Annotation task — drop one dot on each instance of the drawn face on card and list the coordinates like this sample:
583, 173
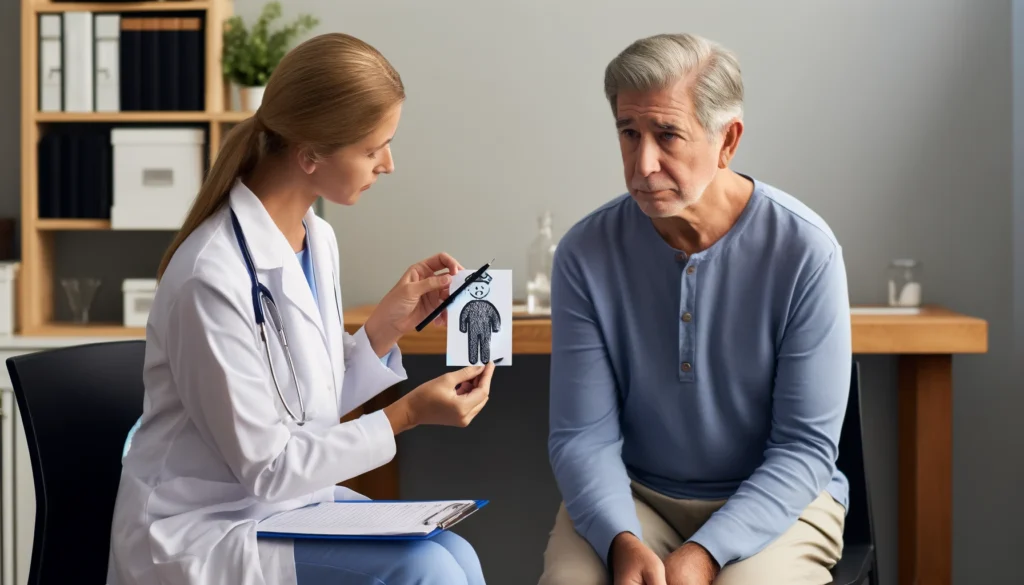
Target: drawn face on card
480, 319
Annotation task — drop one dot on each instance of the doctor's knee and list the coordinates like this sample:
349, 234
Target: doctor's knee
429, 563
464, 554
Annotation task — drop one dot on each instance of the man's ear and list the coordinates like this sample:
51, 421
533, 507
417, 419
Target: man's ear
733, 131
307, 161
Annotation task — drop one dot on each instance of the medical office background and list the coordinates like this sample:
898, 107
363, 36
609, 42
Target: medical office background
902, 124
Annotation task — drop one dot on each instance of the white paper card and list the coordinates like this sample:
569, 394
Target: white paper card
480, 319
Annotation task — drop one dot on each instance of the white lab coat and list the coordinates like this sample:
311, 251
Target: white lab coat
216, 452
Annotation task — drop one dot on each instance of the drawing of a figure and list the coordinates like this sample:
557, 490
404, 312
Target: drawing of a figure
479, 318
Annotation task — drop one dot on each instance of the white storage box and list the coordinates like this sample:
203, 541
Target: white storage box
138, 300
8, 297
157, 174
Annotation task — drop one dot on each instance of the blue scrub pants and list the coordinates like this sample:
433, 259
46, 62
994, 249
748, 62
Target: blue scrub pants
445, 559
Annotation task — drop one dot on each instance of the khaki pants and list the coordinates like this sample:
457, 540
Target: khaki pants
802, 555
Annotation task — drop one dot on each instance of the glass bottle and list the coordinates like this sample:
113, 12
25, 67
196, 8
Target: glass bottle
538, 267
904, 283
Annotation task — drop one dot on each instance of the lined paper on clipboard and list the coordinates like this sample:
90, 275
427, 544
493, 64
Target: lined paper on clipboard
369, 519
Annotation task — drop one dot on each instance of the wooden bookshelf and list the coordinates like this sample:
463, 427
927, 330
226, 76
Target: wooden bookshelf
68, 225
36, 294
178, 5
153, 117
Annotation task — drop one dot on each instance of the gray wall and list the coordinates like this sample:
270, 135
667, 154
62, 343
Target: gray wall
1018, 178
891, 120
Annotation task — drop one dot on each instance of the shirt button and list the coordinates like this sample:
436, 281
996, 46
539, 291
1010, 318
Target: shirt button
691, 269
687, 317
686, 367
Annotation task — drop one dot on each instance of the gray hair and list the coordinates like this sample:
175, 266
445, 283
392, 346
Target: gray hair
658, 61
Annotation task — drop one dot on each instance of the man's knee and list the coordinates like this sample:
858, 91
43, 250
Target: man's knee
428, 563
573, 571
569, 559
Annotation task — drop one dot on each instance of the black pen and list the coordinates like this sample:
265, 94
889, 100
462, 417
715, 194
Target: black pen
451, 297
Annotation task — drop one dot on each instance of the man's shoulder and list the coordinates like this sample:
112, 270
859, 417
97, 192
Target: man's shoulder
596, 226
803, 226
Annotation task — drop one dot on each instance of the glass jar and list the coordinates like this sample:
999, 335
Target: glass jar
904, 283
538, 267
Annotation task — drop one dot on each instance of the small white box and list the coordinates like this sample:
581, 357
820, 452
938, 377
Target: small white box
157, 175
9, 297
138, 300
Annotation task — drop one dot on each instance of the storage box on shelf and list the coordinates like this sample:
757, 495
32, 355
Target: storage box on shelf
8, 297
138, 300
157, 173
117, 35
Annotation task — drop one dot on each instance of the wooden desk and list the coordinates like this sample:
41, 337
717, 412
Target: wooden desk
924, 343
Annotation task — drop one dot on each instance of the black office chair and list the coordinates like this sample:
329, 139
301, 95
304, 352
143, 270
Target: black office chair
77, 405
859, 561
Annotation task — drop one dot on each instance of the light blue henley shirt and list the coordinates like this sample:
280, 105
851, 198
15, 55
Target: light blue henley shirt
719, 375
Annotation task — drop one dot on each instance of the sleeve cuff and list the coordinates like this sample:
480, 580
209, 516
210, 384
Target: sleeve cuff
610, 521
393, 371
722, 537
380, 434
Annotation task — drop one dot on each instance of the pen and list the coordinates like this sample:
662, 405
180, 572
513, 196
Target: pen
451, 297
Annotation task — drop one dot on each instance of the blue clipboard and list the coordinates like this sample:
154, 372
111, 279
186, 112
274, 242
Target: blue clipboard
443, 524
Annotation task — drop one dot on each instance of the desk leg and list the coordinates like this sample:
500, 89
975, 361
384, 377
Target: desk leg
926, 469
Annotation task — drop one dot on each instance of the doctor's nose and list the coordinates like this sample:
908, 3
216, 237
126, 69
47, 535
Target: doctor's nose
387, 165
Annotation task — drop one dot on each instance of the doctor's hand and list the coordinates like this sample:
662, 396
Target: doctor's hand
453, 399
418, 292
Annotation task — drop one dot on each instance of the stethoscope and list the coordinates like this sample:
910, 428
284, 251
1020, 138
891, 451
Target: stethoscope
263, 300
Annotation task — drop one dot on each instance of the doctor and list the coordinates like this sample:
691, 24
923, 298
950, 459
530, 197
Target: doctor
228, 436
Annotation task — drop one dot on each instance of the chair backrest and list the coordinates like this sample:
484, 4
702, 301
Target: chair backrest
77, 405
859, 526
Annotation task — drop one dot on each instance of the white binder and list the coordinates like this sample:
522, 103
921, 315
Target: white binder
78, 58
51, 69
106, 75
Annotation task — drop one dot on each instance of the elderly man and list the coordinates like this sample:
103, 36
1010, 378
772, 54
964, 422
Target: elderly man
701, 352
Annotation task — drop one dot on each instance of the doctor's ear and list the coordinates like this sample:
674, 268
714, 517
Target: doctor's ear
307, 161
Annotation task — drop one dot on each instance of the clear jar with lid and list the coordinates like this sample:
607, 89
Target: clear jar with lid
904, 276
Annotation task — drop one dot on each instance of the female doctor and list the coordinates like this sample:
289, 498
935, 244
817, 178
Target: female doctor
248, 368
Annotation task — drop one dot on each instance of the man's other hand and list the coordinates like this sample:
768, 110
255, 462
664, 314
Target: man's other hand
635, 564
690, 564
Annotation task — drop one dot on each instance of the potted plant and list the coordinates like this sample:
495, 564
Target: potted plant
250, 55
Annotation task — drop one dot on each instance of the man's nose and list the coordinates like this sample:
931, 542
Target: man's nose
648, 159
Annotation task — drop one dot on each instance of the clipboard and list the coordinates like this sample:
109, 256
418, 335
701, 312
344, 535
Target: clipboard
441, 520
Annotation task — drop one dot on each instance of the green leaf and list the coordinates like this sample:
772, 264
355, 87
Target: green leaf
251, 54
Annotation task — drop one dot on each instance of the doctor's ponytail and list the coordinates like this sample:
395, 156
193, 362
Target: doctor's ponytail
237, 155
326, 93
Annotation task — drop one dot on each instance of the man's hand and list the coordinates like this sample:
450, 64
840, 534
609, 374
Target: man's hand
635, 564
690, 564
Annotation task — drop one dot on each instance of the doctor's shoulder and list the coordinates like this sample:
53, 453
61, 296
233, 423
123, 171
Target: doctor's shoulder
205, 263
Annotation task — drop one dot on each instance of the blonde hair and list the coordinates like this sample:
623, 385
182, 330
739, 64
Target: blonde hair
328, 92
658, 61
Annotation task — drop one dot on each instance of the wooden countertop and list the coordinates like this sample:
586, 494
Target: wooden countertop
935, 330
